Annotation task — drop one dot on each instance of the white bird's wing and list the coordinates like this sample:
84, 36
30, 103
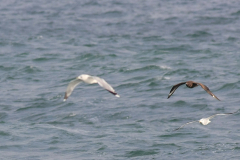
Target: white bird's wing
105, 85
184, 125
71, 87
221, 114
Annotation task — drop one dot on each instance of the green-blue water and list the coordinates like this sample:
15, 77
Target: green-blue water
142, 48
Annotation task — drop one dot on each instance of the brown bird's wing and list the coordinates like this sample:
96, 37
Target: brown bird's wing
207, 90
174, 88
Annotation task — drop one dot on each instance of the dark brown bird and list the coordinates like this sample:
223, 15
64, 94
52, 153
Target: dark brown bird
191, 84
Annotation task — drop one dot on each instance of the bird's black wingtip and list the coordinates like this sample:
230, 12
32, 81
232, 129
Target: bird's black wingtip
175, 129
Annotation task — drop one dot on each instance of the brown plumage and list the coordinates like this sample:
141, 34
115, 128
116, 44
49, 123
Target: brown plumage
191, 84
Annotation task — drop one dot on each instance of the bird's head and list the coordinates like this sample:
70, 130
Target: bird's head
189, 84
83, 77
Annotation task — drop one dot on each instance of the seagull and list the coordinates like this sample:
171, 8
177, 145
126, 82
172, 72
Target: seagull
90, 80
206, 121
191, 84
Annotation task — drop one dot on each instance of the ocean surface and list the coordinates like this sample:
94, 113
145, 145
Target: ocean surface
142, 48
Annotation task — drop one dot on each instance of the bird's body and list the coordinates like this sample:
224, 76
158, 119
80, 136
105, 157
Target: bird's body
204, 121
191, 84
90, 80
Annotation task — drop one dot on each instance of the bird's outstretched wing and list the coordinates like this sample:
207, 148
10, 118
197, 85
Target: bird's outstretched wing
71, 87
174, 88
105, 85
221, 114
208, 90
185, 125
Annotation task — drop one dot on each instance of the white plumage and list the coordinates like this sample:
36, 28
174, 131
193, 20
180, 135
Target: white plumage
90, 80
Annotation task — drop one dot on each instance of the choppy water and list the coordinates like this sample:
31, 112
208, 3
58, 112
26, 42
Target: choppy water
142, 48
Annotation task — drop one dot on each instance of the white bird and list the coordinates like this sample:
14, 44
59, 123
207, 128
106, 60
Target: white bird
90, 80
206, 121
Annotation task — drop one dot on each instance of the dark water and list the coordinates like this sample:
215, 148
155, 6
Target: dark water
142, 48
